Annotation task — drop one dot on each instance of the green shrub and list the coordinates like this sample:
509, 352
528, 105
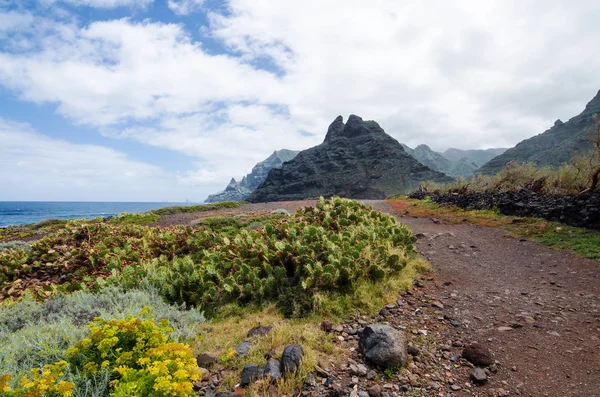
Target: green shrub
12, 245
33, 334
195, 208
145, 218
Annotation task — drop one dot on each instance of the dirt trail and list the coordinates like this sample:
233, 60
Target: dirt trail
537, 309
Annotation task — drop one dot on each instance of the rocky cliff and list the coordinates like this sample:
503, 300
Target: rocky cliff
239, 191
553, 147
357, 160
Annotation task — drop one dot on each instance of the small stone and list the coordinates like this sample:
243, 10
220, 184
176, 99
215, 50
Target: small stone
374, 391
310, 381
504, 329
339, 329
250, 373
260, 330
477, 354
363, 394
455, 387
205, 359
326, 325
478, 376
243, 348
412, 350
371, 375
205, 373
437, 304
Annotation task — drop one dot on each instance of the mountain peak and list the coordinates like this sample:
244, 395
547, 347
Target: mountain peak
594, 104
354, 127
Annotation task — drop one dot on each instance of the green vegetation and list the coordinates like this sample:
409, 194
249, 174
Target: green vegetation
35, 229
34, 334
583, 242
330, 261
580, 174
15, 244
144, 218
196, 208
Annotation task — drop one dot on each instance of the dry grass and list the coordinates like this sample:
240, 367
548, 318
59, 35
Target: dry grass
220, 336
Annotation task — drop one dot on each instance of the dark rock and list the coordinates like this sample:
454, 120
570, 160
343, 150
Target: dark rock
243, 348
291, 358
259, 330
553, 147
205, 360
326, 325
477, 354
374, 390
383, 345
272, 369
478, 376
250, 373
356, 160
240, 191
412, 350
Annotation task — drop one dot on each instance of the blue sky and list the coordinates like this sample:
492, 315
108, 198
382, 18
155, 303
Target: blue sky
151, 100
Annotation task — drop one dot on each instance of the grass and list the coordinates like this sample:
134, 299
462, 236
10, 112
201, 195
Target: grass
221, 335
25, 231
196, 208
141, 219
583, 242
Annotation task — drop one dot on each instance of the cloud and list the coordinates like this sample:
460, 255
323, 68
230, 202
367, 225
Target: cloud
185, 7
35, 166
463, 73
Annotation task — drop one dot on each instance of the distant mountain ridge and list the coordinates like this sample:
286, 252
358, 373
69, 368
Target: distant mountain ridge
239, 191
553, 147
457, 163
357, 159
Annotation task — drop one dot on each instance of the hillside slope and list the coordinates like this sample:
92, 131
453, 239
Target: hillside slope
357, 159
553, 147
239, 191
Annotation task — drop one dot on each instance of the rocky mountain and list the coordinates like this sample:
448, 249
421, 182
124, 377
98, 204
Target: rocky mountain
239, 191
438, 162
477, 156
357, 160
553, 147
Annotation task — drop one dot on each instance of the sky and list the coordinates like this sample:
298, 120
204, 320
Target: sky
166, 100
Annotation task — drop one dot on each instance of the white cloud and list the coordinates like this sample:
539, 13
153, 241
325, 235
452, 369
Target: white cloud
463, 73
185, 7
34, 166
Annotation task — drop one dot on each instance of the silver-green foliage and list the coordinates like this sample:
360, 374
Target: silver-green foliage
33, 333
10, 245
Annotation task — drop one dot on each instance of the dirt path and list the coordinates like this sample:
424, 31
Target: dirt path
536, 309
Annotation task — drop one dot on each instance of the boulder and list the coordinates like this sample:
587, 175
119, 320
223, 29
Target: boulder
477, 354
250, 373
383, 345
259, 330
272, 369
291, 358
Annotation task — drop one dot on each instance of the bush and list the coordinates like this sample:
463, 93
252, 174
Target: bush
195, 208
135, 351
145, 218
33, 334
13, 245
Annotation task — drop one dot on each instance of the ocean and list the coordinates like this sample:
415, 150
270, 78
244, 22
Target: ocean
25, 212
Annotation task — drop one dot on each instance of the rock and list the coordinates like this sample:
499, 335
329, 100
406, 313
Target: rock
205, 360
205, 373
291, 358
455, 387
240, 191
412, 350
477, 354
504, 329
437, 304
310, 381
478, 376
357, 160
250, 373
259, 330
326, 325
374, 390
358, 369
243, 348
383, 345
272, 369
